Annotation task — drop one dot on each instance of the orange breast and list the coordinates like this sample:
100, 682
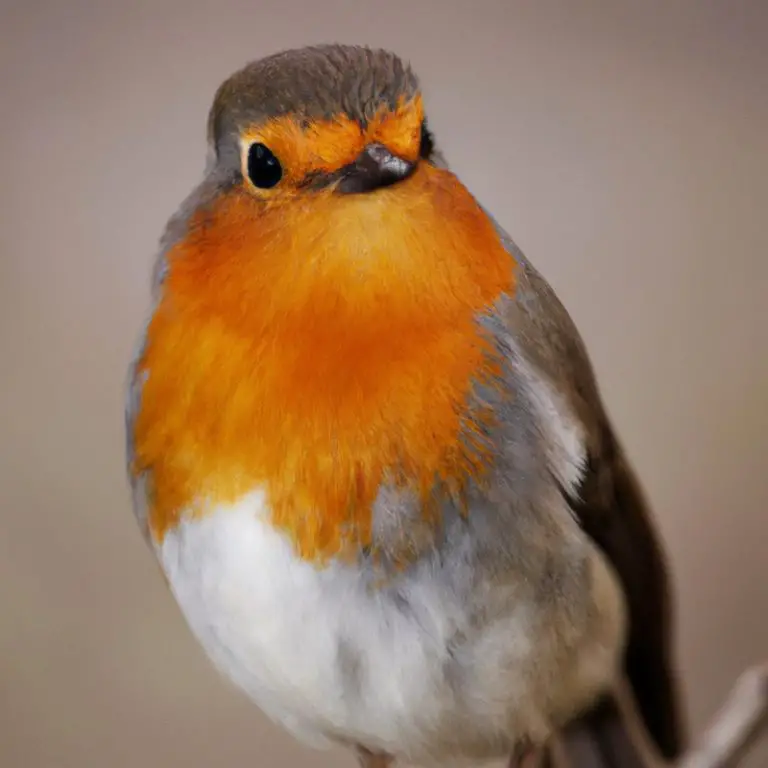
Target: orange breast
317, 348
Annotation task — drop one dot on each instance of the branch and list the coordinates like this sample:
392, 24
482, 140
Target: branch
737, 726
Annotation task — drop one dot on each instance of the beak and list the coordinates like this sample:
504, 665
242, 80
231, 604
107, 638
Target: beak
376, 167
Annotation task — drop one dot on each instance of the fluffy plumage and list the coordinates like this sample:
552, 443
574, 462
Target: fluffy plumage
368, 448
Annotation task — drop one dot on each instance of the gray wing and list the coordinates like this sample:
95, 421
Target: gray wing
607, 501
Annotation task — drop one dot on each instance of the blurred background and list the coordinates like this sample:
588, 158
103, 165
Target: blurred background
623, 145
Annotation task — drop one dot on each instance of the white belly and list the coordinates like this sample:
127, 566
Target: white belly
327, 657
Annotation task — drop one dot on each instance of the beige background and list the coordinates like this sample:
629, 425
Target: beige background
625, 147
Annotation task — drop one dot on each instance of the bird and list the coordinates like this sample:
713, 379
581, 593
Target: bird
366, 444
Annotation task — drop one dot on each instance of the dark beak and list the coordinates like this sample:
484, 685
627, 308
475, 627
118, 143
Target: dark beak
376, 167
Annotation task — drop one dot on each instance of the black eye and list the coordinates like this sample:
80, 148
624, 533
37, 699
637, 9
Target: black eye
427, 141
264, 169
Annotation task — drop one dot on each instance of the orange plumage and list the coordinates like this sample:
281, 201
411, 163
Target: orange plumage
316, 347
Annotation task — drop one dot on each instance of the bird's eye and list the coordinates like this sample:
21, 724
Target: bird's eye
264, 168
427, 141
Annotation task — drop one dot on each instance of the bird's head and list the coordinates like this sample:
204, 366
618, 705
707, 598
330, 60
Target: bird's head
317, 321
345, 119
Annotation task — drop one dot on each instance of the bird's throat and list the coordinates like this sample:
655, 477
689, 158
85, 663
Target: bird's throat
317, 351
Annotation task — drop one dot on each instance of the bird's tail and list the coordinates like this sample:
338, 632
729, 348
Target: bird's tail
603, 738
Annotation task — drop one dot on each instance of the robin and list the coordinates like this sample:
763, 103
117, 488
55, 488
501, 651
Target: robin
367, 446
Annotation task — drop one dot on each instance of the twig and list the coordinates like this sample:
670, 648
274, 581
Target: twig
737, 726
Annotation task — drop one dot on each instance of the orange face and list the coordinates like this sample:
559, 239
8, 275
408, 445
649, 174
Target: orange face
315, 345
330, 145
